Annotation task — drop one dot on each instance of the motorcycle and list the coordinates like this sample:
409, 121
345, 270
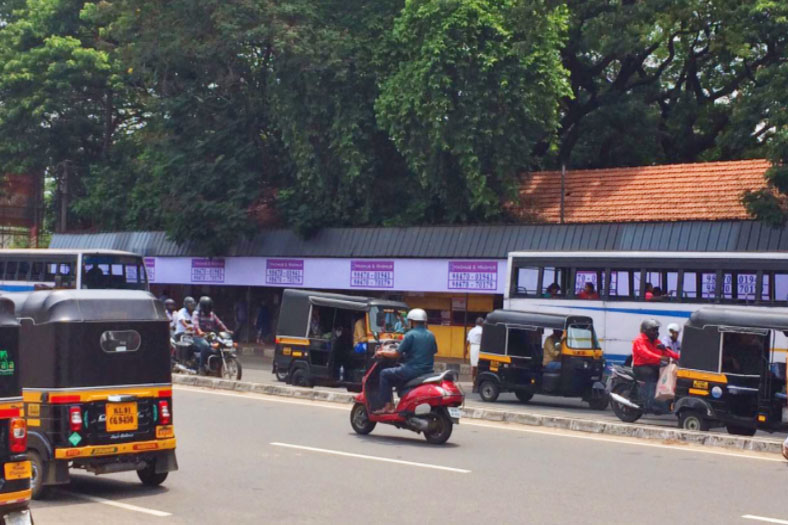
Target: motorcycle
625, 392
428, 404
222, 362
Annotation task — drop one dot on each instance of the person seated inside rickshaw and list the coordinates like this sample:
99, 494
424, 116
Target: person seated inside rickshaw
551, 357
315, 332
742, 354
417, 353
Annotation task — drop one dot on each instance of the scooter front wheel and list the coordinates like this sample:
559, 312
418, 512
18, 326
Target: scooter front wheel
440, 429
359, 420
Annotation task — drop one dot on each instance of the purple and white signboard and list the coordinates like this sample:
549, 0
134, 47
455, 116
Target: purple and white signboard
473, 275
372, 274
150, 268
207, 270
284, 272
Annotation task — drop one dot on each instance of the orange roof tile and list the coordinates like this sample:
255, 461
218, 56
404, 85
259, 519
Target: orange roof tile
680, 192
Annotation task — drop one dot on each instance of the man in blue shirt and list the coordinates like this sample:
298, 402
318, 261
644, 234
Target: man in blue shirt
417, 350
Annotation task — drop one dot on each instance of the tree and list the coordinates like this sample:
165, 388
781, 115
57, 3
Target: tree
473, 85
669, 83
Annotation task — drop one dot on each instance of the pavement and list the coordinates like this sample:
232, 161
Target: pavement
257, 369
247, 458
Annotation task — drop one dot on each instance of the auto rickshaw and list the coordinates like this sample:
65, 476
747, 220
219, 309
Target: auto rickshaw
511, 357
728, 375
16, 470
329, 339
95, 372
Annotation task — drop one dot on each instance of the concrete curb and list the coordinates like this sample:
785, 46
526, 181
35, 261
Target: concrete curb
707, 439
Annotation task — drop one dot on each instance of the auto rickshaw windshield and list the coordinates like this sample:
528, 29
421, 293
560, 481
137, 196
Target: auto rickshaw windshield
388, 320
581, 337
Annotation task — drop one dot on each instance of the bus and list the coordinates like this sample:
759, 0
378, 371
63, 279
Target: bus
628, 287
27, 270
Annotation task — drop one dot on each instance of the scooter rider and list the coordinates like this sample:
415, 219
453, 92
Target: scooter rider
172, 315
204, 320
184, 320
417, 350
647, 356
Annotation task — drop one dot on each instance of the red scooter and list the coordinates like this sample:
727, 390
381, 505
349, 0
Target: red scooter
428, 404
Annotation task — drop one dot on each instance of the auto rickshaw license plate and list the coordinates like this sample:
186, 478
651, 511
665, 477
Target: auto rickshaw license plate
121, 417
19, 470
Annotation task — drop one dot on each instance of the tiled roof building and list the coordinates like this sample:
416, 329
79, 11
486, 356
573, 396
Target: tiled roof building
681, 192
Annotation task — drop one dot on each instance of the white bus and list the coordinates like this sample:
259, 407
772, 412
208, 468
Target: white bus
26, 270
629, 287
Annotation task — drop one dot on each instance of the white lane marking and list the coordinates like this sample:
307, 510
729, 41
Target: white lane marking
514, 427
623, 441
767, 520
373, 458
118, 504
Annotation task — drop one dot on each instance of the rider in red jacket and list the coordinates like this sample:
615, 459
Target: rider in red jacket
648, 351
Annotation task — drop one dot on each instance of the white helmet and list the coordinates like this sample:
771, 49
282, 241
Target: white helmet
418, 315
673, 327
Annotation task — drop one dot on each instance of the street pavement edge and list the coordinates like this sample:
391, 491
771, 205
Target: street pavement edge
675, 435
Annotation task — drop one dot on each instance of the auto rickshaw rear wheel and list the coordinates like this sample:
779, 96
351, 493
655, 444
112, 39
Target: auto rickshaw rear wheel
440, 429
281, 375
299, 378
38, 473
693, 420
523, 396
489, 390
359, 420
149, 477
737, 430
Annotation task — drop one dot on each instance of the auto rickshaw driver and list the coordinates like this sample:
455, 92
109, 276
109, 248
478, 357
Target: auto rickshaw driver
417, 351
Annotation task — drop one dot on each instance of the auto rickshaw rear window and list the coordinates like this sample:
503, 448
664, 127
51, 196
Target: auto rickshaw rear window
115, 341
581, 337
524, 343
744, 353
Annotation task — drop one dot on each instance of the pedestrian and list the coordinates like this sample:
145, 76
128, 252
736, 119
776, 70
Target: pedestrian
240, 317
263, 323
672, 341
474, 341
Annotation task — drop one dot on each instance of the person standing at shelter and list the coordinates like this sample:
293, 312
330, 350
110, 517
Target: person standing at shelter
474, 341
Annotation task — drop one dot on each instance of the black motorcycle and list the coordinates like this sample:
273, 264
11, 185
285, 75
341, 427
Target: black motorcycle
626, 396
222, 362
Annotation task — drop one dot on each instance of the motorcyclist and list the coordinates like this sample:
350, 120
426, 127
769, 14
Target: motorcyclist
172, 315
204, 320
417, 352
648, 354
184, 321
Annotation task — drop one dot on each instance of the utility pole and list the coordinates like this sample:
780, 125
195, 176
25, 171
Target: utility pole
563, 190
63, 225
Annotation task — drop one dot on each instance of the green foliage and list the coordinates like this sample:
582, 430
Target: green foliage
473, 86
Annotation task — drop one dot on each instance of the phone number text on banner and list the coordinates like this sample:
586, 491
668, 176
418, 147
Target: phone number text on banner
470, 275
372, 274
207, 270
284, 271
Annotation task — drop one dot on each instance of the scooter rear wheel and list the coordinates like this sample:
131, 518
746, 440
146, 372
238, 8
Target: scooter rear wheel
440, 429
359, 420
623, 412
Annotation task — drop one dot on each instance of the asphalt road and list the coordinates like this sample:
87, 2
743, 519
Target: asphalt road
256, 459
258, 370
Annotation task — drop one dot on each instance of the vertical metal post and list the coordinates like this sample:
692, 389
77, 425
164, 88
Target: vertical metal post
563, 190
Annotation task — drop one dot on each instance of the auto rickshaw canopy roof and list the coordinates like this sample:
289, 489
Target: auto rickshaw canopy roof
773, 319
53, 306
346, 302
537, 319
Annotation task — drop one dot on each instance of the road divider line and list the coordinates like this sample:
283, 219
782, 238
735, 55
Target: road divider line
767, 520
264, 397
118, 504
372, 458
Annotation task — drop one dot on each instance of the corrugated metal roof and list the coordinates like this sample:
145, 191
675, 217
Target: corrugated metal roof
471, 242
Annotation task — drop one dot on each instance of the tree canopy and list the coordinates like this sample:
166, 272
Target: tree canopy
190, 116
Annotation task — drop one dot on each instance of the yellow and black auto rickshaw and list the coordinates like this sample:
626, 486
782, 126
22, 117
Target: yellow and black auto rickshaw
95, 372
728, 375
329, 339
16, 471
511, 357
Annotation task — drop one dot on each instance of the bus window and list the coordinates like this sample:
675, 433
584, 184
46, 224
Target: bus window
24, 271
10, 270
554, 282
745, 286
527, 281
37, 271
672, 285
708, 285
113, 272
765, 295
621, 284
585, 277
780, 287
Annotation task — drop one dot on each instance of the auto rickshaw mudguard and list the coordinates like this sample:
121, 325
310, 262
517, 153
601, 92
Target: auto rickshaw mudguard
56, 471
694, 403
490, 376
36, 441
166, 462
